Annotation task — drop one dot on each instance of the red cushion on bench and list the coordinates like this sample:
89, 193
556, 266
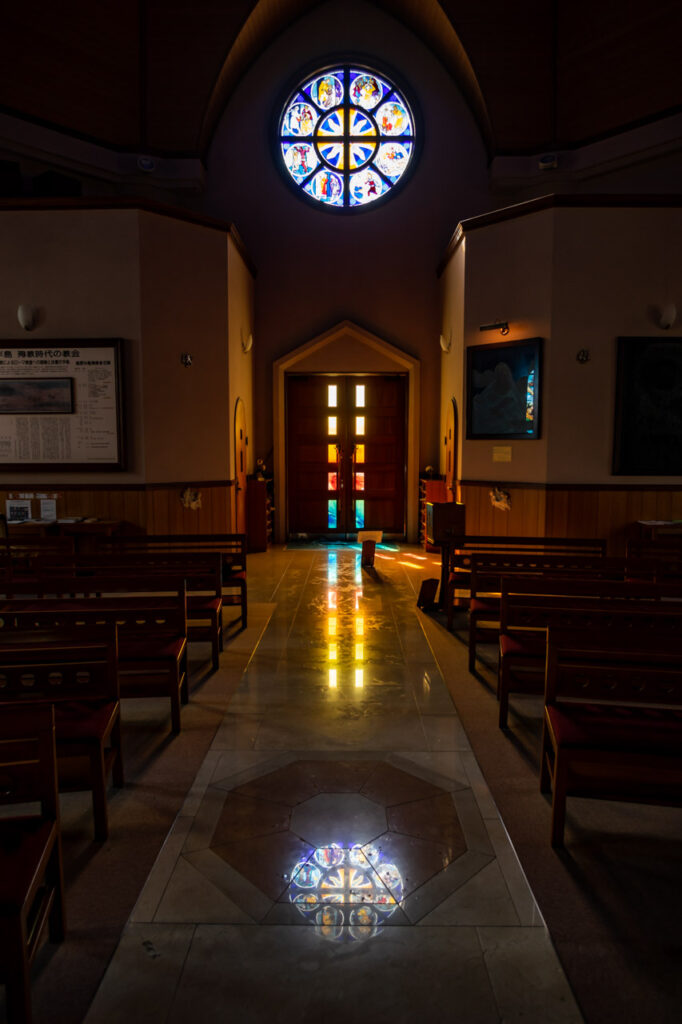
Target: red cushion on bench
530, 645
199, 604
76, 720
478, 604
149, 649
624, 729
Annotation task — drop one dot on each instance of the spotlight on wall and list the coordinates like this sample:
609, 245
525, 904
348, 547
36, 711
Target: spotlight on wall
27, 317
186, 359
667, 316
445, 342
247, 343
499, 325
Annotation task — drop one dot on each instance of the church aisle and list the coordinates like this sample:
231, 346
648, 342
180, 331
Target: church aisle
339, 855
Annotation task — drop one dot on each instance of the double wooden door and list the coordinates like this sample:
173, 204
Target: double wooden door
345, 454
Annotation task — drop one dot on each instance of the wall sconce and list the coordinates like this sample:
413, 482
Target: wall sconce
27, 317
186, 359
499, 325
667, 316
247, 343
445, 343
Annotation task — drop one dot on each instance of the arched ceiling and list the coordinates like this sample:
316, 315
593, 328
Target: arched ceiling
154, 76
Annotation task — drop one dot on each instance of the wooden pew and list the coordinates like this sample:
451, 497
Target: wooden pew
78, 674
200, 571
486, 572
613, 719
31, 879
530, 607
465, 548
152, 631
231, 546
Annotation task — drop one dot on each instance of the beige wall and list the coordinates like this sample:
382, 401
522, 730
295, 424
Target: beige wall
81, 269
183, 288
579, 278
612, 269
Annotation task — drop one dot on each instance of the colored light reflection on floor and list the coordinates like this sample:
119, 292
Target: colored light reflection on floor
346, 891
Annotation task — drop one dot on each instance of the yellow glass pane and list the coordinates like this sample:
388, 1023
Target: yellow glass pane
359, 453
331, 626
333, 652
359, 627
359, 425
331, 427
360, 396
359, 652
331, 452
331, 396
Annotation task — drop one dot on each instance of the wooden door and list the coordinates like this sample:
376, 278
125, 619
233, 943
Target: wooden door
451, 444
240, 443
345, 454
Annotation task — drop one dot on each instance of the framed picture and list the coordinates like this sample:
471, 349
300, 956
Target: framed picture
61, 405
503, 390
647, 437
36, 395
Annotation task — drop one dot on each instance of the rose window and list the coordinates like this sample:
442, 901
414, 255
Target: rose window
347, 137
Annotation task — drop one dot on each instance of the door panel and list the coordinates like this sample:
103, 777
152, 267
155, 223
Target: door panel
240, 442
346, 454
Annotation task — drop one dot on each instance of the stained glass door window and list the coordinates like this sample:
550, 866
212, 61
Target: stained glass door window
347, 137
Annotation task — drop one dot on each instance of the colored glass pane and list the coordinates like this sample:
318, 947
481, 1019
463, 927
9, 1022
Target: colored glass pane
359, 425
332, 513
359, 481
332, 481
359, 396
331, 453
359, 678
332, 678
342, 114
359, 652
359, 513
331, 425
359, 453
332, 392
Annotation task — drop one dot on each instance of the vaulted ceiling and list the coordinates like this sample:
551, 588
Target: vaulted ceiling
154, 75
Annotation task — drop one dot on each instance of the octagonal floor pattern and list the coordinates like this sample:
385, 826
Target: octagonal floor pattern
338, 832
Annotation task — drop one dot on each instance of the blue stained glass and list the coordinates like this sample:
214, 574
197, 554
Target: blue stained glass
332, 513
331, 137
359, 513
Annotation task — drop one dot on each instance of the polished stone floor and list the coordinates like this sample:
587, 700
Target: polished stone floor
339, 856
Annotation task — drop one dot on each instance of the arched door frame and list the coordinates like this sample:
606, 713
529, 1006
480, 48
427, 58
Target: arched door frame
347, 348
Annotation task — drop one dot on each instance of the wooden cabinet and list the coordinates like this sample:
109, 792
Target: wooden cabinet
259, 510
431, 489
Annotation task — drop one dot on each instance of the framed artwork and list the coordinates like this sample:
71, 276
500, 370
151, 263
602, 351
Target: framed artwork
61, 405
647, 437
35, 395
503, 390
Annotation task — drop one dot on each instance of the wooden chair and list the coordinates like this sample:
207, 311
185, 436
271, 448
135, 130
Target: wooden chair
31, 877
78, 675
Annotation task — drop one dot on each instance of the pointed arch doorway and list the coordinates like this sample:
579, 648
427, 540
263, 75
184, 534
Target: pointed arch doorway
347, 356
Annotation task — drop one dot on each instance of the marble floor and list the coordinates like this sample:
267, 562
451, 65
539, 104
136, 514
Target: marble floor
339, 856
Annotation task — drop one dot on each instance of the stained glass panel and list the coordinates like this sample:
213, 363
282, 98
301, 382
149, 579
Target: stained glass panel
331, 453
332, 513
359, 481
332, 395
331, 481
343, 113
359, 453
331, 427
359, 425
359, 513
359, 396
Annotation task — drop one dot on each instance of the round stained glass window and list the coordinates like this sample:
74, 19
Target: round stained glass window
347, 137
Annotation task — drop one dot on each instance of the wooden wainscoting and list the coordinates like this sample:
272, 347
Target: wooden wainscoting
155, 508
569, 511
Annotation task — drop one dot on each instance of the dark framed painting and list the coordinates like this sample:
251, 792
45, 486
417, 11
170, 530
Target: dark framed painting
503, 390
36, 396
647, 437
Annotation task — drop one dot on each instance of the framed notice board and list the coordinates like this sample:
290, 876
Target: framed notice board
61, 405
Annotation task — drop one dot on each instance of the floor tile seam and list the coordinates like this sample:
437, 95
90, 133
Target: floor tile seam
179, 974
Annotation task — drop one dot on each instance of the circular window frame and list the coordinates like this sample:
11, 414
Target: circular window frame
397, 86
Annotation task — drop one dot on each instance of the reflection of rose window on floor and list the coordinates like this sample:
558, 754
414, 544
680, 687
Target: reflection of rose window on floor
346, 892
346, 137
